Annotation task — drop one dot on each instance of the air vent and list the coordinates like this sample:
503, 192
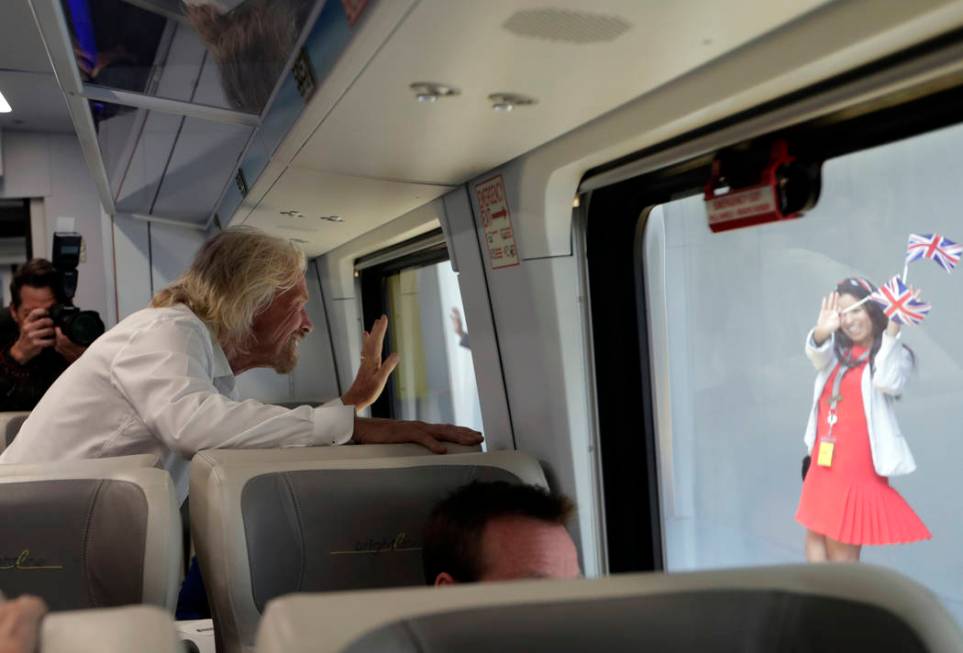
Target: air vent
565, 25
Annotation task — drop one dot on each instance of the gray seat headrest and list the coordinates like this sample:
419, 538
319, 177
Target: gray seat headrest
87, 540
264, 530
799, 608
10, 423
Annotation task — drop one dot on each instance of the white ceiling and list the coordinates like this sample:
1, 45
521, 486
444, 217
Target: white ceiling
316, 194
26, 78
378, 131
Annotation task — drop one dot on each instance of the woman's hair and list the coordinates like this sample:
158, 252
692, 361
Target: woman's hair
860, 288
234, 277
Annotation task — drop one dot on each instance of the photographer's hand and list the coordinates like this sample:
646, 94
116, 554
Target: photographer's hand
67, 348
36, 334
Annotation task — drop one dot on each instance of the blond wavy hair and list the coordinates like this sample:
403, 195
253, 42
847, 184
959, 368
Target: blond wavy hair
233, 278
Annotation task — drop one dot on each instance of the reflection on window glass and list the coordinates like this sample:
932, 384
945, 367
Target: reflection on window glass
762, 364
227, 53
435, 380
160, 163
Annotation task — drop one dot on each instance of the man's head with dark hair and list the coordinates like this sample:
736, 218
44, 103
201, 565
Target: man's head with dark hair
499, 531
35, 286
37, 273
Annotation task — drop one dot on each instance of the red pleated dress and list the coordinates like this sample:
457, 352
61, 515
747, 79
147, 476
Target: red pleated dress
848, 501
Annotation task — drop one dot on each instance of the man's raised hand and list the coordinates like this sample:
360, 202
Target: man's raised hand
373, 372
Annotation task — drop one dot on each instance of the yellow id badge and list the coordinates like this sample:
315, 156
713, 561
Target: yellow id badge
825, 458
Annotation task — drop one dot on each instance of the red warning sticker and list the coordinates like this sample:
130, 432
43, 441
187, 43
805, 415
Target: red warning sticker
496, 222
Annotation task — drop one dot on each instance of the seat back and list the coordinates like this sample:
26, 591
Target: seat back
113, 630
335, 520
84, 536
10, 423
83, 466
801, 608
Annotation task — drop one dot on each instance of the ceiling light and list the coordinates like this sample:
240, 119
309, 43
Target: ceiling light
4, 105
504, 102
332, 218
431, 91
293, 214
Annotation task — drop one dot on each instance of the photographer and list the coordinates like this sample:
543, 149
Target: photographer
34, 351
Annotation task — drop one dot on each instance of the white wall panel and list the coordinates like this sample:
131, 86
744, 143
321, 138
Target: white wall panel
538, 319
315, 379
132, 266
51, 167
463, 245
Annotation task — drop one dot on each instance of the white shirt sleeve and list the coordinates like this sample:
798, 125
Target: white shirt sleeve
821, 356
165, 372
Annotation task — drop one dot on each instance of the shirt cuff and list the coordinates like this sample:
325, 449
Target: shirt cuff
333, 424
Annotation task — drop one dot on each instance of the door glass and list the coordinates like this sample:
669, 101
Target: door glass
435, 380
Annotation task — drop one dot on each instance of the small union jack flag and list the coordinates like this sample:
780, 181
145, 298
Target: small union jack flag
943, 251
899, 304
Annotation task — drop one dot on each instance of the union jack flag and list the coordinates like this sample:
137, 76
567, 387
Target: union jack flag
943, 251
899, 304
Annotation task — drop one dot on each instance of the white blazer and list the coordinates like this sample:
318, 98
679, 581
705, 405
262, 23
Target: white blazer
894, 363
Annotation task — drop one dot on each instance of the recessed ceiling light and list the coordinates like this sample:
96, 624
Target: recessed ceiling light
432, 91
504, 102
331, 218
4, 105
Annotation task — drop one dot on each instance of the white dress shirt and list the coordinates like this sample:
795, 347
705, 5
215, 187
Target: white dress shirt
159, 383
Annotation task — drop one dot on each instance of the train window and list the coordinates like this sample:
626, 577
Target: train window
727, 318
435, 379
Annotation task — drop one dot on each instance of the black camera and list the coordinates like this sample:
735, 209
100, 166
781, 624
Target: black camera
82, 327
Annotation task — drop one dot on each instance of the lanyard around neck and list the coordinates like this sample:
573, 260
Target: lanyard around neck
843, 367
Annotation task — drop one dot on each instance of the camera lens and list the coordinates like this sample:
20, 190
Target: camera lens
84, 327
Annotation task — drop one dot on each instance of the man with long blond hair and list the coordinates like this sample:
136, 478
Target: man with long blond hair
163, 380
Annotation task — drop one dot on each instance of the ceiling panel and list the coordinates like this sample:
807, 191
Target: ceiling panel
26, 78
37, 103
20, 44
361, 203
577, 62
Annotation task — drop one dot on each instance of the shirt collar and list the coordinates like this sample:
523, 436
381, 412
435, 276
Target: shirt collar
222, 368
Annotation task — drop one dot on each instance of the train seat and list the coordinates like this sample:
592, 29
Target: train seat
804, 608
10, 423
84, 466
90, 534
111, 630
334, 520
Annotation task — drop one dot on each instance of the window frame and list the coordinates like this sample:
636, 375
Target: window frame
615, 227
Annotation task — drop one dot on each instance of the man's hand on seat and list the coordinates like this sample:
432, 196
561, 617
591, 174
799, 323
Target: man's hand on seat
373, 372
20, 624
431, 436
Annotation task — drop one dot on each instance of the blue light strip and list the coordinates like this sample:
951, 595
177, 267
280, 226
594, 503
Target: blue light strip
83, 28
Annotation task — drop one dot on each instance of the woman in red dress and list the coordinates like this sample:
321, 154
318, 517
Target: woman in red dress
853, 436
